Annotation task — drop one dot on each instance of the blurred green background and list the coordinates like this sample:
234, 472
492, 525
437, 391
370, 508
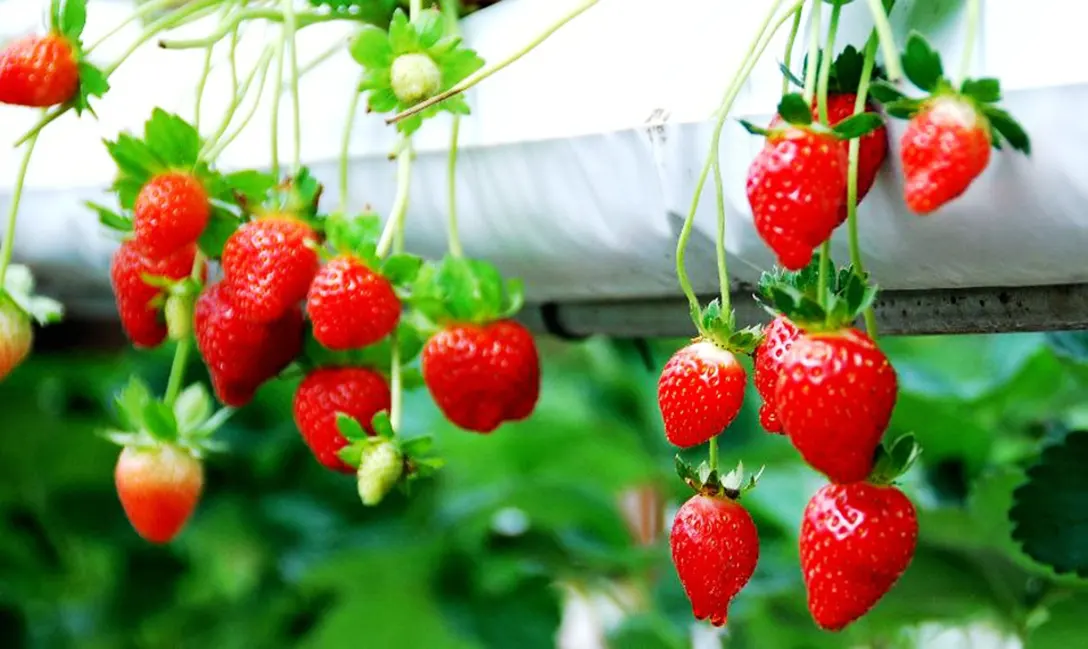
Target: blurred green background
537, 519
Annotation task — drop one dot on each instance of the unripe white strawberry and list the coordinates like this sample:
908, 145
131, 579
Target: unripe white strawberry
415, 77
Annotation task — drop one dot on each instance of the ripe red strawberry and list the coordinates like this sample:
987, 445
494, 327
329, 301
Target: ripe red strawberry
159, 488
715, 547
143, 323
16, 335
242, 354
171, 212
835, 396
350, 305
795, 188
856, 541
700, 392
778, 337
38, 71
483, 375
945, 147
872, 148
357, 392
268, 265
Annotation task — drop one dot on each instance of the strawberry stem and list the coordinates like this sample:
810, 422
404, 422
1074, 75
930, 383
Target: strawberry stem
302, 19
8, 245
290, 28
825, 64
214, 147
489, 70
205, 70
277, 94
185, 345
723, 270
400, 201
755, 50
454, 235
345, 143
787, 60
825, 272
141, 11
813, 50
893, 66
973, 17
714, 453
852, 177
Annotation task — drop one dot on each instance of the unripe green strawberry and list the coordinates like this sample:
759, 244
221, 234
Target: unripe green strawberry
380, 468
415, 77
16, 335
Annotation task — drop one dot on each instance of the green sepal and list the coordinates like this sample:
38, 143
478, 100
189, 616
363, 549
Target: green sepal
464, 290
169, 142
92, 83
1005, 129
721, 329
885, 93
985, 91
403, 38
19, 288
793, 109
68, 18
904, 108
350, 428
922, 64
298, 196
355, 235
192, 408
371, 49
402, 268
795, 295
709, 482
382, 425
222, 223
857, 125
118, 221
892, 461
147, 421
246, 187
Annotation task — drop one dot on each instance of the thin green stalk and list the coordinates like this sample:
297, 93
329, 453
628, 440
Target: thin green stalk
489, 70
290, 28
454, 234
723, 269
714, 453
345, 143
177, 370
302, 18
813, 49
892, 65
321, 58
787, 60
8, 245
414, 8
277, 95
139, 13
400, 201
204, 72
212, 144
825, 63
852, 177
396, 385
264, 66
825, 271
755, 50
974, 12
185, 14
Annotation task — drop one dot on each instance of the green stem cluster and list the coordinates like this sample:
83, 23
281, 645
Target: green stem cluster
755, 50
8, 245
216, 142
892, 65
822, 80
813, 49
489, 70
852, 177
787, 59
345, 142
290, 28
302, 19
974, 11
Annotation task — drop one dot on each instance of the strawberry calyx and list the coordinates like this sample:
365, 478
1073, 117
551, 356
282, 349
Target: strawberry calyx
707, 481
67, 18
923, 68
384, 460
795, 295
148, 422
460, 290
893, 460
412, 61
845, 75
18, 289
797, 116
720, 329
357, 235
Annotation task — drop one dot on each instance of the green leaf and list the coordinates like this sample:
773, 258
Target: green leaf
457, 105
754, 129
221, 226
382, 101
1050, 510
92, 83
371, 49
986, 91
401, 268
795, 110
253, 185
430, 27
134, 158
402, 38
457, 65
382, 426
409, 341
903, 108
411, 379
159, 421
192, 407
858, 125
885, 93
793, 79
356, 234
846, 71
131, 402
73, 18
376, 79
1008, 128
410, 125
176, 141
350, 428
921, 63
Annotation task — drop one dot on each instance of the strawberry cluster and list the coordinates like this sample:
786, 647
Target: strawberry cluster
825, 385
300, 292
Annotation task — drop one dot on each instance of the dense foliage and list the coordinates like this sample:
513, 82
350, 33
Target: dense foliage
282, 555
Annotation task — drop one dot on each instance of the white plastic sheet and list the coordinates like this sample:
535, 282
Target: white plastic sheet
579, 162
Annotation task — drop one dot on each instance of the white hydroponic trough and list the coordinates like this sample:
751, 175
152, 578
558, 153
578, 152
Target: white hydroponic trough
579, 161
